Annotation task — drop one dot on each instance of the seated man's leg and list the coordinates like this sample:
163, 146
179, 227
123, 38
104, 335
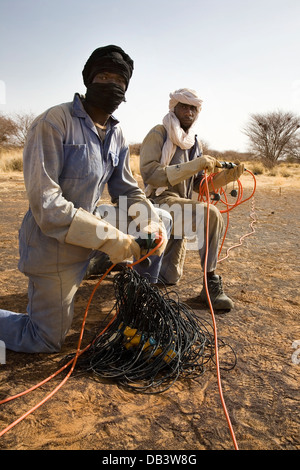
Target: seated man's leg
216, 230
190, 220
218, 298
183, 213
173, 261
151, 268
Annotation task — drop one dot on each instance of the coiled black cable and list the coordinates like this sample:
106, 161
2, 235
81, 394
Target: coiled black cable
152, 341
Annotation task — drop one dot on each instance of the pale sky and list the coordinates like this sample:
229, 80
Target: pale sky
241, 56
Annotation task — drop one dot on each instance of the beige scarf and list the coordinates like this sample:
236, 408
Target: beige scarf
176, 136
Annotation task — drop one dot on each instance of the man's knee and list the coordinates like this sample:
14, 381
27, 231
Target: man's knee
166, 219
215, 222
215, 216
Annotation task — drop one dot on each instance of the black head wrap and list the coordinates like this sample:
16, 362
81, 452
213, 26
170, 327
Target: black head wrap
109, 59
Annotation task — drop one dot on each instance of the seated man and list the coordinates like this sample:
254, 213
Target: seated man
172, 166
73, 150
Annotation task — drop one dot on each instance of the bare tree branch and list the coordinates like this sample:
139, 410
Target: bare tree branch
23, 123
273, 136
7, 130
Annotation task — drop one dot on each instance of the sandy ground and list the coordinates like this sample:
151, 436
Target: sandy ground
261, 392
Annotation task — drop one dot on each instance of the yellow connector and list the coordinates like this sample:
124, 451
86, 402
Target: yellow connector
170, 355
149, 343
129, 331
134, 339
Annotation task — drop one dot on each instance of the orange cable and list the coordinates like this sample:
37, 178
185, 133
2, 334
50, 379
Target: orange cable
215, 326
239, 201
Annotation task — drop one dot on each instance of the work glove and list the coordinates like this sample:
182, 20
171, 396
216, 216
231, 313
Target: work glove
150, 226
227, 176
182, 171
89, 231
155, 230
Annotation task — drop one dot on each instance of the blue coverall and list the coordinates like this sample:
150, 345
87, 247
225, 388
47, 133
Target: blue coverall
66, 166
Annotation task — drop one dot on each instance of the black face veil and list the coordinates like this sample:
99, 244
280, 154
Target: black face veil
105, 96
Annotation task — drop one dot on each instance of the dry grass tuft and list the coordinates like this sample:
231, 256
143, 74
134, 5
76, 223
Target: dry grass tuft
11, 160
135, 165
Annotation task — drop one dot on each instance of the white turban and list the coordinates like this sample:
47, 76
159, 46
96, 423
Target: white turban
185, 96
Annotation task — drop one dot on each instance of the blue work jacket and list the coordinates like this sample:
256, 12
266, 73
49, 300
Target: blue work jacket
66, 166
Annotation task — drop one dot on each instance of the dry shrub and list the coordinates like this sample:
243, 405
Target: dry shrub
256, 167
11, 159
272, 172
135, 149
135, 164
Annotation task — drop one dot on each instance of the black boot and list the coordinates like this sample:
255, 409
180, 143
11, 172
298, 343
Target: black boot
219, 300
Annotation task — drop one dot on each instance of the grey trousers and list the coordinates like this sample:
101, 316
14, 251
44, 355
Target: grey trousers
189, 233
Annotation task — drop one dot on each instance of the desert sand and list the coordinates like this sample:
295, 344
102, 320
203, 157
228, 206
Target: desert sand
261, 392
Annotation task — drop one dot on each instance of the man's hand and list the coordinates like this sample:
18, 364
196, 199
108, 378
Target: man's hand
227, 176
122, 248
155, 230
206, 162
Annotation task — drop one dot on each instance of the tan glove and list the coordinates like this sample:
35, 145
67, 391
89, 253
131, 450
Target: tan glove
149, 223
89, 231
183, 171
227, 176
157, 230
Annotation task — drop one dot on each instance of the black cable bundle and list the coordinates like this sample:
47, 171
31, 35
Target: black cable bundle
151, 341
